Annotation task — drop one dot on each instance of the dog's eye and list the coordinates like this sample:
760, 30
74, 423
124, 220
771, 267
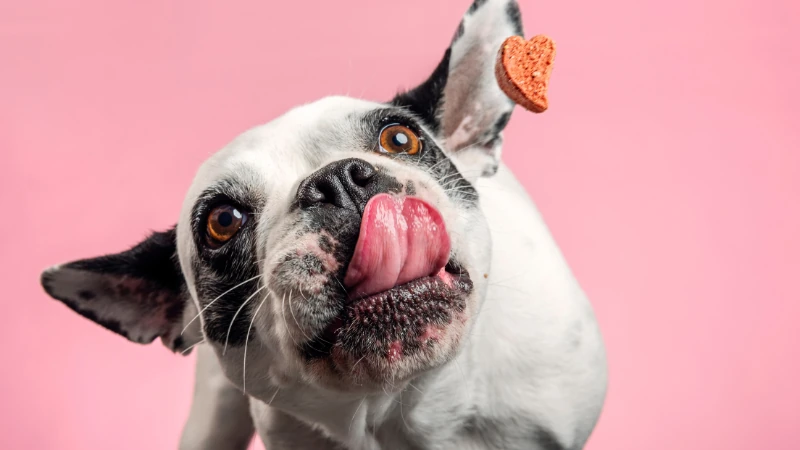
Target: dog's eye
399, 139
223, 223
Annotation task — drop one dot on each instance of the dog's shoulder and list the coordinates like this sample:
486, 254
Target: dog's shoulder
536, 345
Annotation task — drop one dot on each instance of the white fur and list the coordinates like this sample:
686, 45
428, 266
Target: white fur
522, 367
534, 352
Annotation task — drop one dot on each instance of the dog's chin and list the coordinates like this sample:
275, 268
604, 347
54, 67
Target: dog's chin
394, 335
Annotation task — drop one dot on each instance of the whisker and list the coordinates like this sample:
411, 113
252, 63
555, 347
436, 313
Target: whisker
189, 348
340, 284
416, 388
246, 341
403, 417
285, 323
463, 378
224, 349
356, 413
359, 360
295, 317
273, 396
308, 338
212, 301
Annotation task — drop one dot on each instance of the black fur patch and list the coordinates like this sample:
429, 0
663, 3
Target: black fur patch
475, 5
410, 189
547, 440
222, 278
515, 17
459, 32
222, 273
153, 260
325, 244
501, 123
425, 99
86, 295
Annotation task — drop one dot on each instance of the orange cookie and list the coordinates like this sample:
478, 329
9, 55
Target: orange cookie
523, 70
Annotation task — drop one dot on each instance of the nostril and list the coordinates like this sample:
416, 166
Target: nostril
361, 174
314, 195
328, 190
309, 196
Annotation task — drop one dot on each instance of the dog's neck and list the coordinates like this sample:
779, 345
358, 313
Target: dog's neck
400, 412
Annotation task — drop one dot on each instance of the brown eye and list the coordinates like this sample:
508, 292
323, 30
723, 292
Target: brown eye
399, 139
223, 223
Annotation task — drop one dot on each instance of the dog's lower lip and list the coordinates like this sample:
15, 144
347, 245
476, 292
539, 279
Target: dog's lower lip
451, 297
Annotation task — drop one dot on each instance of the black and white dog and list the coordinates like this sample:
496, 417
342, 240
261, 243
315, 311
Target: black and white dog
361, 275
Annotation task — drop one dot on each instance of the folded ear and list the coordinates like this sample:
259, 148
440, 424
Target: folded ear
461, 101
139, 293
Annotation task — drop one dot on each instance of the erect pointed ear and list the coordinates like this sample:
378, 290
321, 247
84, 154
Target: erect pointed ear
461, 101
139, 293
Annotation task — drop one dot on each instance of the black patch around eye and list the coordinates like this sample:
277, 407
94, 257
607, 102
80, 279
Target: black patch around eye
228, 275
229, 278
223, 192
430, 156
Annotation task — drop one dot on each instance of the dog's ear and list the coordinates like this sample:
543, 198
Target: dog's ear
139, 293
461, 101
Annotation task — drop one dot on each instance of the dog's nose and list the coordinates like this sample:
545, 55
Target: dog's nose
347, 184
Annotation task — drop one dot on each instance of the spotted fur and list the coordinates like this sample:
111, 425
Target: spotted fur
499, 349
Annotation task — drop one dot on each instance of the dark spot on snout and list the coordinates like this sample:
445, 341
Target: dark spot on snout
86, 295
326, 244
410, 189
312, 264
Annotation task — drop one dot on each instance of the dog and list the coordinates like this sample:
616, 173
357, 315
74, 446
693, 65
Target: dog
363, 275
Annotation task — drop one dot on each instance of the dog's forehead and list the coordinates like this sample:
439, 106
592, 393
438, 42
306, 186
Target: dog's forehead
288, 145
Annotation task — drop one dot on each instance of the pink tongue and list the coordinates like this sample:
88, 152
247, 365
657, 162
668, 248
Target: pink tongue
401, 239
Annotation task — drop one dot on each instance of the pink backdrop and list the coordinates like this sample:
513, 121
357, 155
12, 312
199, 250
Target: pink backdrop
668, 168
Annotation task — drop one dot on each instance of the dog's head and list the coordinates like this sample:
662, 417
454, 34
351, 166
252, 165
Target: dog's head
341, 244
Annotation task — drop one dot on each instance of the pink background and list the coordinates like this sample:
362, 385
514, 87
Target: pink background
668, 168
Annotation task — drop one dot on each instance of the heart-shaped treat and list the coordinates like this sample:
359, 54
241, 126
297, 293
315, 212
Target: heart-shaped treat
523, 70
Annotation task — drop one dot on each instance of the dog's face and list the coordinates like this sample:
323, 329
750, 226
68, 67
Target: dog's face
342, 238
340, 245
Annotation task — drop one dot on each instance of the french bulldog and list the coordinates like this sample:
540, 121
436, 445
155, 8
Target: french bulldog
366, 275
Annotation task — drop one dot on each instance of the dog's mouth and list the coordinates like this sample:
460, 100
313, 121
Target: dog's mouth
396, 322
403, 286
